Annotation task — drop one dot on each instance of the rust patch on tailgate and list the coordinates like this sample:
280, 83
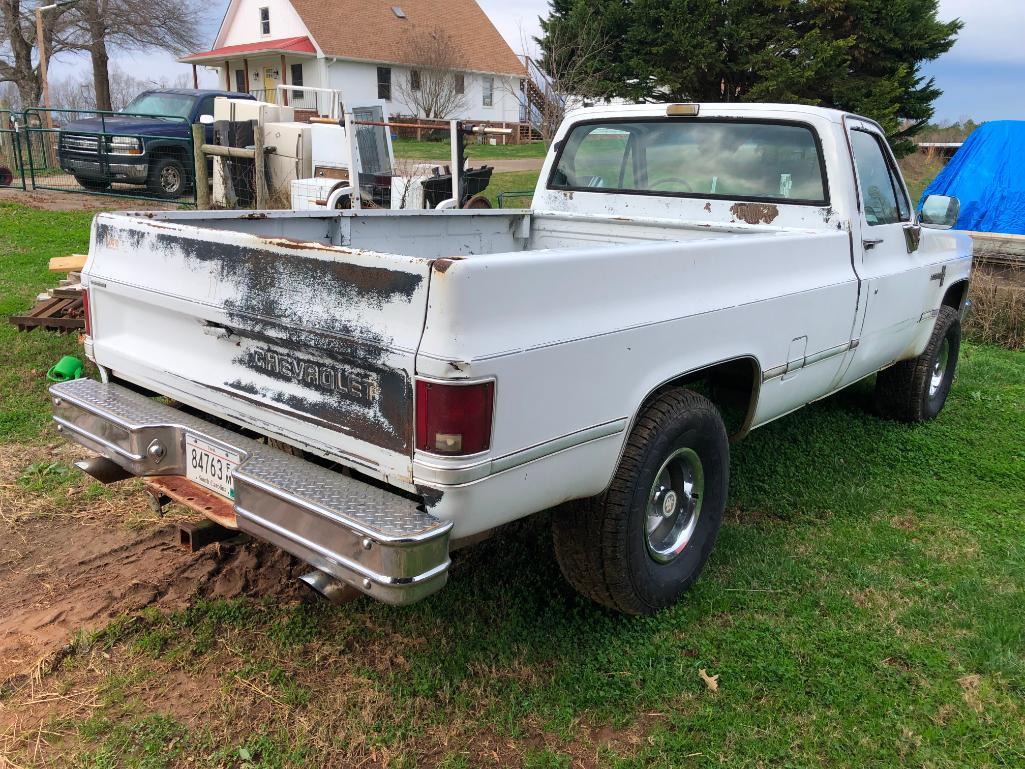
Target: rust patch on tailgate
755, 213
332, 370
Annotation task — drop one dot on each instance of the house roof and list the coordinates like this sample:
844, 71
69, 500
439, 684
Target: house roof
370, 30
291, 45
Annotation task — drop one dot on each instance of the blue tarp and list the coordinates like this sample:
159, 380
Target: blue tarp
988, 176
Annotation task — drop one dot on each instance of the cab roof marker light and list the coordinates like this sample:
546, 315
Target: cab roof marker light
682, 110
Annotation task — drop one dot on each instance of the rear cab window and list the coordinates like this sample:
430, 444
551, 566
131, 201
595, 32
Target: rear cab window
694, 157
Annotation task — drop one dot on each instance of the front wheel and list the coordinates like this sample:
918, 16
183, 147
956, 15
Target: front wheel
639, 546
916, 390
93, 185
167, 178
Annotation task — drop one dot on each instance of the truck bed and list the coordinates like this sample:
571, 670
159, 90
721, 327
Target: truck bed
441, 234
306, 326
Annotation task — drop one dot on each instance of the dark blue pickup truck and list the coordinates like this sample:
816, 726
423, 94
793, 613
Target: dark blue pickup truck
144, 144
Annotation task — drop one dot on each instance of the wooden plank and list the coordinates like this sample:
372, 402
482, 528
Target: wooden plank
71, 263
998, 248
53, 309
29, 322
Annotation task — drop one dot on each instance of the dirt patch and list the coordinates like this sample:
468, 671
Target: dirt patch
51, 200
68, 562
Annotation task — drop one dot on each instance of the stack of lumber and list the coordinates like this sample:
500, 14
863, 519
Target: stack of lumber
59, 309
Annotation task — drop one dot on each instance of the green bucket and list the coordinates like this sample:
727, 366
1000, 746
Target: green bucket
68, 367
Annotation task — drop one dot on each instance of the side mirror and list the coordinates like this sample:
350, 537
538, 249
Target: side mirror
940, 212
206, 119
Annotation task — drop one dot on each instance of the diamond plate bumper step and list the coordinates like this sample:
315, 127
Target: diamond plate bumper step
378, 541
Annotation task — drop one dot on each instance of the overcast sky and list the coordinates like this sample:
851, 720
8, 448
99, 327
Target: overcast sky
983, 75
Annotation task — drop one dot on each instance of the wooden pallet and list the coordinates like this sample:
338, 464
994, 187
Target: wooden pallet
61, 312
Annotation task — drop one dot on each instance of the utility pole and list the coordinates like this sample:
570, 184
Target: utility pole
41, 43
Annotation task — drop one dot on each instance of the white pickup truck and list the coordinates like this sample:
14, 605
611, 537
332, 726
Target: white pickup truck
370, 389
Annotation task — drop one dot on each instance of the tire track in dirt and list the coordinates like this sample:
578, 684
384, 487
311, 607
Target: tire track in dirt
66, 576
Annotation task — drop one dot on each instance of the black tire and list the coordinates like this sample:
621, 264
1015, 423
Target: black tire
167, 178
915, 390
93, 185
603, 545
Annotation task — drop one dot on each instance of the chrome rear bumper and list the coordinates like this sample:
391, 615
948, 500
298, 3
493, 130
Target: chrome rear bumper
378, 541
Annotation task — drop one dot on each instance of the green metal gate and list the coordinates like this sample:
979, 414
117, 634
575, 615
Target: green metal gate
11, 163
108, 153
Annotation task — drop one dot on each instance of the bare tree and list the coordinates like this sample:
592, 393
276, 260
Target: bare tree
18, 40
76, 91
432, 87
569, 74
131, 25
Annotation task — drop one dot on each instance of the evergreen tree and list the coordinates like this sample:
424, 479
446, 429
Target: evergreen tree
858, 55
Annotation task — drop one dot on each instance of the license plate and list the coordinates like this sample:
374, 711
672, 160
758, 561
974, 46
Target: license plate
210, 465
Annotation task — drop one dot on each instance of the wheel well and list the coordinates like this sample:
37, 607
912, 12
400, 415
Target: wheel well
956, 295
169, 151
731, 385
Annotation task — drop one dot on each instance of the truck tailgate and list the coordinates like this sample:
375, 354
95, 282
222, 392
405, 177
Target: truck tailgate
304, 341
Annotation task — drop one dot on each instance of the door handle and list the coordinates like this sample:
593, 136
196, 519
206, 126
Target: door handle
871, 242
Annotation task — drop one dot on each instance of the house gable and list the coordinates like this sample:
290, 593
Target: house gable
241, 23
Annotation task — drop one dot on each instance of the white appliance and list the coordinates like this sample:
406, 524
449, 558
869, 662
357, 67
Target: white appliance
290, 160
408, 191
329, 146
249, 109
312, 194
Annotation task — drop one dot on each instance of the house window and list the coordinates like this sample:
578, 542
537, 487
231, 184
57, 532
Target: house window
414, 80
240, 81
488, 91
460, 83
265, 21
295, 74
384, 83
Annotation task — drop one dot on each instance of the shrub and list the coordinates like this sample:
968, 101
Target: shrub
997, 315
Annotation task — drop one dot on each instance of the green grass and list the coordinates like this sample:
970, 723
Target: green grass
440, 150
28, 238
512, 181
864, 607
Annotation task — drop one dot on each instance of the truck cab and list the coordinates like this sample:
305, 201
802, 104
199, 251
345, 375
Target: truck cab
147, 143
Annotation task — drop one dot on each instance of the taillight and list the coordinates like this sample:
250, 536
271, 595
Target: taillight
85, 312
454, 419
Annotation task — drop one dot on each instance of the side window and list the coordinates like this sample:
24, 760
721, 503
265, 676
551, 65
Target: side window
882, 198
206, 105
296, 76
487, 91
240, 81
384, 83
265, 21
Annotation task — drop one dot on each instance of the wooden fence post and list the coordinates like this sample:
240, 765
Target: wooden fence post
259, 166
202, 180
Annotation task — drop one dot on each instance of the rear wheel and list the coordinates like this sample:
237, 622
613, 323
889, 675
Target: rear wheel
167, 178
916, 390
640, 545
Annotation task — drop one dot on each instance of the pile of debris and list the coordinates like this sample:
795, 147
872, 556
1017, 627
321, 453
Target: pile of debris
61, 308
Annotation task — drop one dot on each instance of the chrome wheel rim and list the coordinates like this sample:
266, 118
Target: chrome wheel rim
674, 505
939, 369
170, 179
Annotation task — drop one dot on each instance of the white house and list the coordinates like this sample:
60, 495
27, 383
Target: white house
362, 49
